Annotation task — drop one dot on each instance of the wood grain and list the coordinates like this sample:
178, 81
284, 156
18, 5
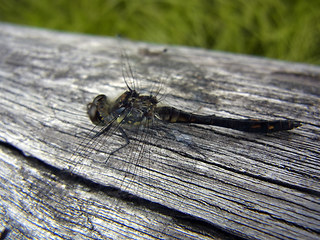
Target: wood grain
191, 181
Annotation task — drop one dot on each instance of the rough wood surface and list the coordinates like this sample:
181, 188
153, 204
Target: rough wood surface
197, 182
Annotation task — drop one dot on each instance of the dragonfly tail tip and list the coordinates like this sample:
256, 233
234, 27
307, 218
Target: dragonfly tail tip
297, 124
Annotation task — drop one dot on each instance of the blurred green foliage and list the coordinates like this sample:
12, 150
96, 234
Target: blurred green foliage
283, 29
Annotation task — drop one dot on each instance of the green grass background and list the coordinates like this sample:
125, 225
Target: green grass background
283, 29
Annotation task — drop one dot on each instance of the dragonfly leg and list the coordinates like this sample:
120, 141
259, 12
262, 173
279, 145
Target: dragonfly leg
125, 136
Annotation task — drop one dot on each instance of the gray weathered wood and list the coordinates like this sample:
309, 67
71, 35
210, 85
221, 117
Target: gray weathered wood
198, 182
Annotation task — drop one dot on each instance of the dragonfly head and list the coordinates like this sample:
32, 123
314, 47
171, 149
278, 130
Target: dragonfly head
99, 109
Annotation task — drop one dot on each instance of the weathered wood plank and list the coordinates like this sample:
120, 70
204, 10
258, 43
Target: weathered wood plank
249, 185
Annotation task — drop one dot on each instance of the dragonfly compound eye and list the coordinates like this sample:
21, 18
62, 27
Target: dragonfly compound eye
95, 109
100, 99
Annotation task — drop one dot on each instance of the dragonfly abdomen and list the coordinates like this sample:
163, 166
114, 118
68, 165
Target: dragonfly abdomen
173, 115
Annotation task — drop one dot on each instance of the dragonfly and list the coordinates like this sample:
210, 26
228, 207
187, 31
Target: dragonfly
140, 112
132, 108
